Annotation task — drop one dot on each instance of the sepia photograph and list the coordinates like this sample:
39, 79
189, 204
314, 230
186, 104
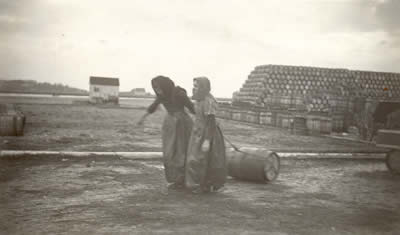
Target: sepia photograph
276, 117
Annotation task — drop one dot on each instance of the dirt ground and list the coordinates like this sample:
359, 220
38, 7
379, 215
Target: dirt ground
52, 195
111, 195
67, 127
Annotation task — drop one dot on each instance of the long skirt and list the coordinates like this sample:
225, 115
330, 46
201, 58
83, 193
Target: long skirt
176, 131
206, 169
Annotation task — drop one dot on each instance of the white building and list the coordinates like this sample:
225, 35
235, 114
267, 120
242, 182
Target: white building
104, 90
139, 91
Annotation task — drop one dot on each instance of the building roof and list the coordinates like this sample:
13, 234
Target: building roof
104, 81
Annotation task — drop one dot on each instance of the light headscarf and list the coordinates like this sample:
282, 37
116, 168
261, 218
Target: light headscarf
203, 88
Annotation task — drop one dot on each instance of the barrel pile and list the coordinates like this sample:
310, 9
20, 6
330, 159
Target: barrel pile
320, 89
377, 84
325, 94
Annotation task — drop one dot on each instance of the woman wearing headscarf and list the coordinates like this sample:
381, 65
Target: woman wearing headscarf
205, 163
176, 127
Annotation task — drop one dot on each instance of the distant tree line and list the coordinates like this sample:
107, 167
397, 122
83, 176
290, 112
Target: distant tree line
31, 86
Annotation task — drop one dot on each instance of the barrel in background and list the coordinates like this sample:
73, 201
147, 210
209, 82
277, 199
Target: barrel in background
253, 116
284, 120
299, 125
12, 121
318, 124
265, 118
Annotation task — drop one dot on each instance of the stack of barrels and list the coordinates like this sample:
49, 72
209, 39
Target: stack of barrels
286, 86
327, 95
377, 84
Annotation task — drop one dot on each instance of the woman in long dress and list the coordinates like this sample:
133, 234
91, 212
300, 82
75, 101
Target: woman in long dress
205, 163
176, 127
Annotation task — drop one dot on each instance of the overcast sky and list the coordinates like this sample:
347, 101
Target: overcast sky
66, 41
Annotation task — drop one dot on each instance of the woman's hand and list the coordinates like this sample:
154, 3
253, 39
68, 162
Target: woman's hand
205, 147
141, 120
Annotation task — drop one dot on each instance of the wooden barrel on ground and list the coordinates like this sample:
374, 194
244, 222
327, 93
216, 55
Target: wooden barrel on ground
19, 124
253, 165
313, 124
318, 124
12, 122
300, 126
283, 120
253, 116
273, 118
393, 161
390, 139
265, 118
338, 123
7, 125
236, 114
326, 125
224, 112
243, 115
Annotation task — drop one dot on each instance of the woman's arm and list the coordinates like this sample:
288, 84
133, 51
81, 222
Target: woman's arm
141, 120
151, 109
182, 95
188, 103
210, 111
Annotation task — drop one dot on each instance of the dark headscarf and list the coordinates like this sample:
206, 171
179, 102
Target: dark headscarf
203, 88
166, 85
